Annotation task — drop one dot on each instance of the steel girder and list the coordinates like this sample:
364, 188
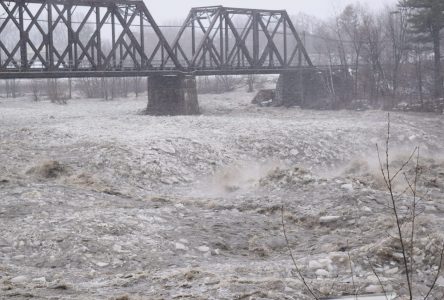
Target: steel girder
95, 38
81, 35
222, 38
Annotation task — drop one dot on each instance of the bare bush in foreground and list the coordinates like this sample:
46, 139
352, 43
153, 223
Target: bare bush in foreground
405, 224
405, 227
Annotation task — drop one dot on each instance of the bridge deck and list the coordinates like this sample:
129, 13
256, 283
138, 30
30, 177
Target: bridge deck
36, 74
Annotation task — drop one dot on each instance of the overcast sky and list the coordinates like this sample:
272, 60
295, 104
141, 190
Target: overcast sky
170, 10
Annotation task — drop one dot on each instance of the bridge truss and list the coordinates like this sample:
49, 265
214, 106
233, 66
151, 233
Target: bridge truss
105, 38
234, 39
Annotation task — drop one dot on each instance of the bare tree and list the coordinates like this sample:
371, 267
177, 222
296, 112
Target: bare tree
35, 89
397, 35
251, 80
406, 241
350, 24
417, 54
54, 91
372, 34
217, 84
137, 85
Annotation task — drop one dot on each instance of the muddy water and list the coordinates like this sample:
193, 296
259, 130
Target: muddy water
99, 202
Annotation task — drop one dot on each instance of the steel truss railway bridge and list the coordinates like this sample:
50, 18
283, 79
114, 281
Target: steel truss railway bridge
119, 38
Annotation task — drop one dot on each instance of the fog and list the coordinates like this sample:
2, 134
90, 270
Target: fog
165, 11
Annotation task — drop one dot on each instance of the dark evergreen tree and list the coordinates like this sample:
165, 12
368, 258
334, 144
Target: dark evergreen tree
426, 18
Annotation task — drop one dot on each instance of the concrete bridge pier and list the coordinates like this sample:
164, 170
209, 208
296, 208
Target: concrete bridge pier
172, 95
299, 88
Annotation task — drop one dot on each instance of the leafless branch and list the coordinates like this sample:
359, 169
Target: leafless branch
437, 273
379, 278
389, 182
355, 290
405, 163
298, 271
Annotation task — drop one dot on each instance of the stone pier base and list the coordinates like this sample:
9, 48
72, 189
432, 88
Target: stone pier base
299, 88
172, 95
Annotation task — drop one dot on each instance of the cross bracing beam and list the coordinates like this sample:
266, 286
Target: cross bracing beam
77, 38
226, 37
81, 35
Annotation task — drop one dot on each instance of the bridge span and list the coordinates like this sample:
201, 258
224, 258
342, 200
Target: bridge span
119, 38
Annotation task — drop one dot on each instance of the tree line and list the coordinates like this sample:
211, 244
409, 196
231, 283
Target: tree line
390, 56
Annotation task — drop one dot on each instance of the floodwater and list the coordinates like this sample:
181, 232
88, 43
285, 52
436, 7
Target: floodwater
100, 202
